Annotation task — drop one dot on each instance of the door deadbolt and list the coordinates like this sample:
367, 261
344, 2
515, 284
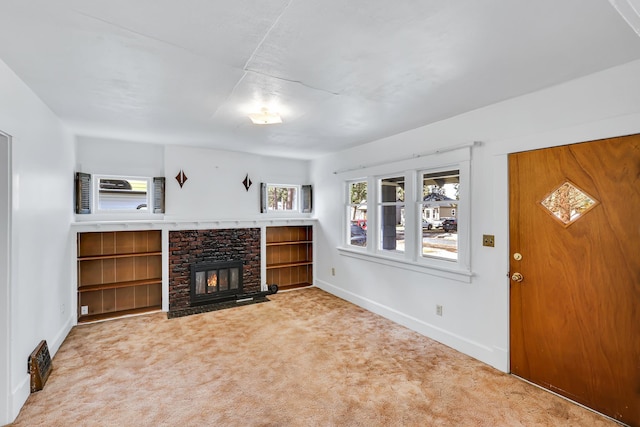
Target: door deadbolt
517, 256
517, 277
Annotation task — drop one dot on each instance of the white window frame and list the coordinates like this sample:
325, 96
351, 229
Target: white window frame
411, 258
96, 195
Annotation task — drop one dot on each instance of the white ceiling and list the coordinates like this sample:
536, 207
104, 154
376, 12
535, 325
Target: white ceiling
341, 73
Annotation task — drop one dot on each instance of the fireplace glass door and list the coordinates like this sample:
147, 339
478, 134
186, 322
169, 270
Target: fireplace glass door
213, 280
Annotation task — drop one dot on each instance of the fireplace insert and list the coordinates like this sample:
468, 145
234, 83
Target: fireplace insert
215, 281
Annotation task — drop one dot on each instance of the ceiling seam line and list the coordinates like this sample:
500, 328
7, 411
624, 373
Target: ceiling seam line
233, 89
264, 38
292, 81
147, 36
253, 54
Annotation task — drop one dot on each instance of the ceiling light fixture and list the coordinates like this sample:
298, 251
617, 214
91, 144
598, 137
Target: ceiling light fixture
264, 117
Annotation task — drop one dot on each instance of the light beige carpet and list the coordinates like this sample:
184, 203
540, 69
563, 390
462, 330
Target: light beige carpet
306, 358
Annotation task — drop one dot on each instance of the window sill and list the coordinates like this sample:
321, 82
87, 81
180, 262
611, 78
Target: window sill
117, 217
448, 273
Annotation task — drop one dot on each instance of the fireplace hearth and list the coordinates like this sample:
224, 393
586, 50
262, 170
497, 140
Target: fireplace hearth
211, 269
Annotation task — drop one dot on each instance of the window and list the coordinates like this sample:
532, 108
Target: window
391, 213
357, 213
440, 195
119, 194
285, 198
122, 194
282, 198
418, 216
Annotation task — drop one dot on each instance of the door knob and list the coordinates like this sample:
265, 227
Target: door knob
517, 277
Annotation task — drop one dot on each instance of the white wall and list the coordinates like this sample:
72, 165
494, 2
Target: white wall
214, 188
42, 160
116, 157
475, 316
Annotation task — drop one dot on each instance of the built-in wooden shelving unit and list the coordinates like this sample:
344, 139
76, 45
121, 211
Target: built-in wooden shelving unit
290, 256
119, 272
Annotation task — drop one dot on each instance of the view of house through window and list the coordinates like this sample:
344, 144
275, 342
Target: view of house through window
439, 206
357, 213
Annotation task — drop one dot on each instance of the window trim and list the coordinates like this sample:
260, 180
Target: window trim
406, 264
411, 258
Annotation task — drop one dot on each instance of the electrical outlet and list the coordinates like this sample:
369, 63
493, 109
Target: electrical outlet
333, 271
438, 310
84, 310
488, 240
62, 308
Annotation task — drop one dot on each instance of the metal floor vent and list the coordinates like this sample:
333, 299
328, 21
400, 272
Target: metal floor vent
40, 366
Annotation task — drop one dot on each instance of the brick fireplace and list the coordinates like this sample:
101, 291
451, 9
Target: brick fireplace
191, 247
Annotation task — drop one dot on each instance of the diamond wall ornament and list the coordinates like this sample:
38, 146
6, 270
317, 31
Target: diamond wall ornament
181, 178
247, 182
568, 203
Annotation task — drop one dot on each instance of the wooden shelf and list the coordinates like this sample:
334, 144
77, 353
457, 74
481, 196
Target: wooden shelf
138, 254
290, 256
87, 288
103, 316
300, 242
119, 272
289, 264
294, 286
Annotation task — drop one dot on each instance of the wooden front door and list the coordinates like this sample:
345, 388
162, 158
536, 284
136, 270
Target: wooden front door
575, 272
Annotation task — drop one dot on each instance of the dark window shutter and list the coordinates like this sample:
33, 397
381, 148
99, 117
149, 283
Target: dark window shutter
158, 194
83, 193
263, 197
307, 199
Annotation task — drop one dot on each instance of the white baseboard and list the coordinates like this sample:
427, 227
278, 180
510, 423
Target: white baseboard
495, 357
57, 341
20, 394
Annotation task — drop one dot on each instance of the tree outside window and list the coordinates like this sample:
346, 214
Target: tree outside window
281, 198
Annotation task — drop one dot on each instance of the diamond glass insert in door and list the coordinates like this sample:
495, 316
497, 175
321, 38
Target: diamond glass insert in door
567, 203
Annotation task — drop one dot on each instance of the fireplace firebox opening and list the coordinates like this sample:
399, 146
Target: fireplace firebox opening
211, 282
